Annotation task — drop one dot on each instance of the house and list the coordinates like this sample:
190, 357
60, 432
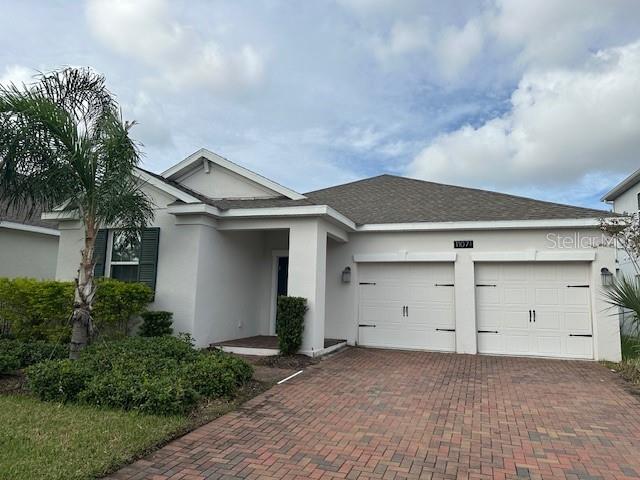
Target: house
28, 245
384, 262
625, 199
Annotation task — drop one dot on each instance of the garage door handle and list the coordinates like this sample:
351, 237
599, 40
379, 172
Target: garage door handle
445, 329
580, 335
366, 326
534, 316
529, 316
487, 331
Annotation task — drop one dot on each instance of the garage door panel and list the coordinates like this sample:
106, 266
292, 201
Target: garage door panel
541, 287
546, 296
580, 347
433, 315
514, 296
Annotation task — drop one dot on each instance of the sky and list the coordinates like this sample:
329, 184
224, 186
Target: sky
536, 98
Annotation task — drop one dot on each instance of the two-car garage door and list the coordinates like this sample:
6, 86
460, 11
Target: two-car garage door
406, 305
538, 309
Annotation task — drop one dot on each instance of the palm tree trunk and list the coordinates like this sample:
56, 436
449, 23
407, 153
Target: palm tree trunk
83, 301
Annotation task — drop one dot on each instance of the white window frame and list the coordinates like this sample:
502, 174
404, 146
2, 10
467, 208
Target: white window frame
108, 261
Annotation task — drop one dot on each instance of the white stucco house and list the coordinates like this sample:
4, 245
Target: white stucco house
28, 246
625, 199
383, 262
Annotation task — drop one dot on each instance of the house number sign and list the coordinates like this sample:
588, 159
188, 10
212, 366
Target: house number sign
463, 244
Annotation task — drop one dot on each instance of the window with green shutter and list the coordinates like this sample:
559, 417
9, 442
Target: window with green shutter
128, 261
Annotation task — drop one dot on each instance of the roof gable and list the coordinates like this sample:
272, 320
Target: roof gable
215, 176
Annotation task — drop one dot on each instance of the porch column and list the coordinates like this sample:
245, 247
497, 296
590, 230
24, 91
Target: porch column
307, 278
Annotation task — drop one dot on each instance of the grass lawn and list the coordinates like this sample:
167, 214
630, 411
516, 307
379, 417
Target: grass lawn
52, 441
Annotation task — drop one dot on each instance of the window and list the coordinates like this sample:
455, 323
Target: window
125, 257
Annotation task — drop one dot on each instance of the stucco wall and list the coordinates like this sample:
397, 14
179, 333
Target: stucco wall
27, 254
341, 304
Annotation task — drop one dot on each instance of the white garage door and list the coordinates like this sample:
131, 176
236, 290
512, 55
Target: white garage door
406, 305
540, 309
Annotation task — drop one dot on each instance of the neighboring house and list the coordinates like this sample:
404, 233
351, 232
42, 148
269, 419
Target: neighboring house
28, 246
383, 262
625, 198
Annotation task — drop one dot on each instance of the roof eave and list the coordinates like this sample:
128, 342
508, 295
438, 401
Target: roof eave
622, 187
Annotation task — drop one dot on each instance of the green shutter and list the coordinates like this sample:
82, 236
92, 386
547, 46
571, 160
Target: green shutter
148, 266
100, 253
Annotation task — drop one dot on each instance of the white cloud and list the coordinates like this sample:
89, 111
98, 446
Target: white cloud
562, 124
145, 30
16, 74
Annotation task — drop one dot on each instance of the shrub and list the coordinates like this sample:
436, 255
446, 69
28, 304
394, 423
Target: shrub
156, 324
118, 304
290, 321
35, 309
163, 375
59, 380
40, 310
15, 354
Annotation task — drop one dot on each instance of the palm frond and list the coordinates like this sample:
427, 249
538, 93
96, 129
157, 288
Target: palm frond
625, 294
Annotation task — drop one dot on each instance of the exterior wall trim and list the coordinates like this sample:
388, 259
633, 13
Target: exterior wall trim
535, 256
406, 257
480, 225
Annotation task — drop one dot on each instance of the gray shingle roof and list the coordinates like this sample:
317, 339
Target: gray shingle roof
392, 199
25, 216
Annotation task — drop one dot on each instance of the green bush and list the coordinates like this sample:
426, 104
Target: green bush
163, 375
36, 309
290, 321
59, 380
118, 304
40, 310
15, 354
156, 324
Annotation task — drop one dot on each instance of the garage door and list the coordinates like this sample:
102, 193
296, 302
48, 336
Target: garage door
534, 309
406, 305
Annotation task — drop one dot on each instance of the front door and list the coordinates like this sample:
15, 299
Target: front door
282, 282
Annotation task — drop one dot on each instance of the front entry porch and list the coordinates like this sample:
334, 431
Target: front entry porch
267, 345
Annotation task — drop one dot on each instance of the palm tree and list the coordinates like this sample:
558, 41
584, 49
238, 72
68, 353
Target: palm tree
64, 145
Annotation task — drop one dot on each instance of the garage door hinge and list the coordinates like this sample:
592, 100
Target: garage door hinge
485, 285
580, 335
366, 326
577, 286
444, 285
445, 329
487, 331
367, 283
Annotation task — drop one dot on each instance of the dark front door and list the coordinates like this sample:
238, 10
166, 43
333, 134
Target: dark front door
283, 275
283, 280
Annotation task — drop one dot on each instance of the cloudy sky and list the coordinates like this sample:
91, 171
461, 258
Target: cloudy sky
539, 98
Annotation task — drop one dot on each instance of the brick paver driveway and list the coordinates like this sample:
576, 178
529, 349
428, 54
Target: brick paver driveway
388, 414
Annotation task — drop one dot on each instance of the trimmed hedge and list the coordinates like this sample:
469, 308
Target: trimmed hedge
290, 321
160, 375
156, 324
40, 309
15, 354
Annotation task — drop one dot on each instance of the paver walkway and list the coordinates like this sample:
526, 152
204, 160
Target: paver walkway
365, 414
